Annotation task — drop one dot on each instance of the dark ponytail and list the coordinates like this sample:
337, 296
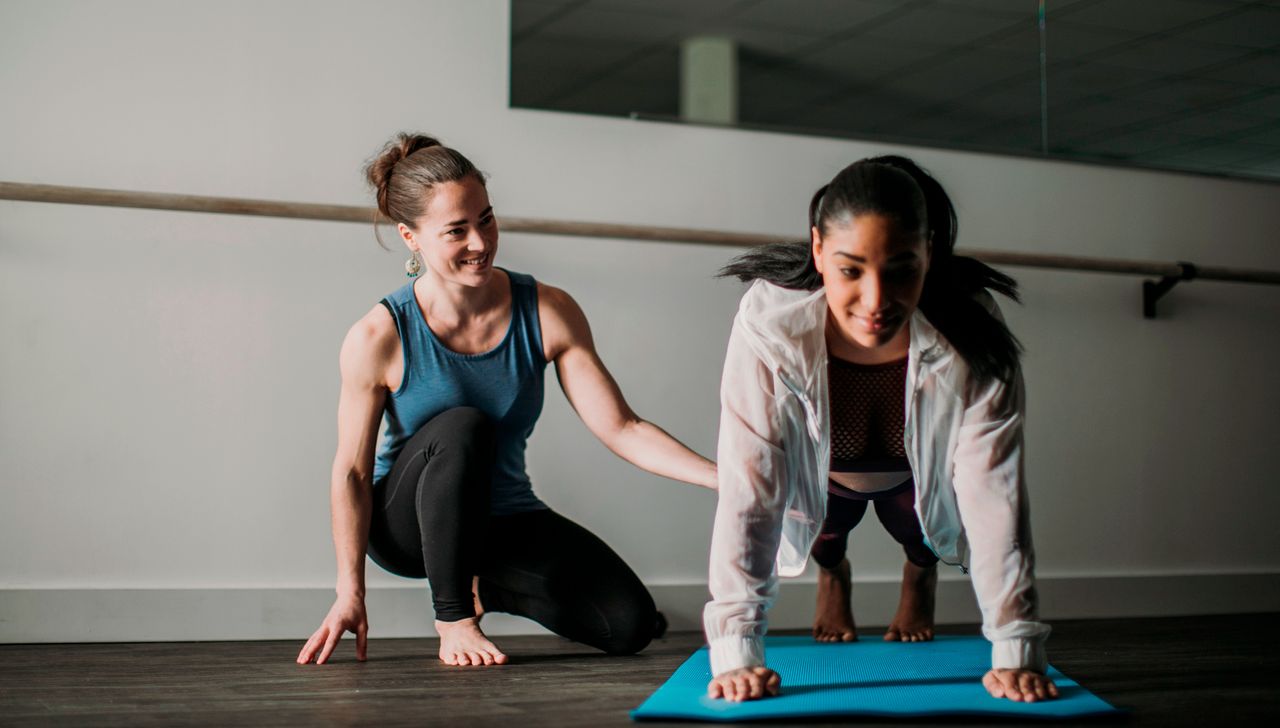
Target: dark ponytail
789, 265
898, 188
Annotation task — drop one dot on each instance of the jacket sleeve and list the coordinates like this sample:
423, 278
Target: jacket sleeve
992, 497
752, 496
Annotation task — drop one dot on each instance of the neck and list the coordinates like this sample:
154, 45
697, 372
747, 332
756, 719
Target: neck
450, 301
842, 346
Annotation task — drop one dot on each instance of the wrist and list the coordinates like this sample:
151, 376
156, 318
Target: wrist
734, 652
1020, 653
350, 590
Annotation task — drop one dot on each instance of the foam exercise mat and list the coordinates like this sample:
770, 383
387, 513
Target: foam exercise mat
866, 678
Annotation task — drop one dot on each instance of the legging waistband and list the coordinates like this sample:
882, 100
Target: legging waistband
836, 489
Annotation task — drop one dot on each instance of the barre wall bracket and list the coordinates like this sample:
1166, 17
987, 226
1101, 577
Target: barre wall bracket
1152, 291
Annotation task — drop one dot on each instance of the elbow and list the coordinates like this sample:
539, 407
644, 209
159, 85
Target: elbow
620, 433
351, 479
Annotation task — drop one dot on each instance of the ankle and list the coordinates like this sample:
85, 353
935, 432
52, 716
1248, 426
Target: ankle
475, 596
464, 623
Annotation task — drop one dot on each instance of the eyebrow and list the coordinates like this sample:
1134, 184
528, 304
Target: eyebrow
483, 213
900, 256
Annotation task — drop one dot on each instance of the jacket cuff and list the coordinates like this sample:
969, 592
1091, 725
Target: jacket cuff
734, 651
1019, 653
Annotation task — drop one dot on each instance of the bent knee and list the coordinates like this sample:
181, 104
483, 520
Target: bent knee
464, 421
631, 632
463, 431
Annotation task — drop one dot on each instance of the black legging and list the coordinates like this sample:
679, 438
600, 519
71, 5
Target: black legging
431, 519
897, 512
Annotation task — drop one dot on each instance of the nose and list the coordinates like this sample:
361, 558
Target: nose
476, 242
871, 295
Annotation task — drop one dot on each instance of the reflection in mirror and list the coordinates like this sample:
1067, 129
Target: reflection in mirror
1189, 85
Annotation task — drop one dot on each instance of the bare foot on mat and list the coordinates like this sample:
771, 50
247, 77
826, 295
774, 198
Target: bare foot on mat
834, 619
914, 620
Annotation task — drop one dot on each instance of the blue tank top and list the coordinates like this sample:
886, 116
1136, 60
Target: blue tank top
506, 383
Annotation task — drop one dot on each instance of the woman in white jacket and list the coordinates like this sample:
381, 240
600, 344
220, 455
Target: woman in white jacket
875, 297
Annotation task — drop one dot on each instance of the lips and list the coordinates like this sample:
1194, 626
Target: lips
876, 324
477, 263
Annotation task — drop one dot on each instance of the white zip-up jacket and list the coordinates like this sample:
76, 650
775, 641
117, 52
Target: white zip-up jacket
963, 440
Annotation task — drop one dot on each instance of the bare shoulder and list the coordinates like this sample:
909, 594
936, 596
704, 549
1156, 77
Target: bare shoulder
371, 345
554, 300
563, 322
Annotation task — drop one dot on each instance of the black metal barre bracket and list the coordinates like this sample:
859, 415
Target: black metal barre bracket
1152, 291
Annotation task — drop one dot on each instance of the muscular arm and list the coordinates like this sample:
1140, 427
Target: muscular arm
594, 395
363, 363
368, 351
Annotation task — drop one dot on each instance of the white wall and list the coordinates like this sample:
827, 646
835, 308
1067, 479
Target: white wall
169, 379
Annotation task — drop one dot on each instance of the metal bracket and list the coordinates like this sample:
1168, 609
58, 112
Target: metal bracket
1152, 291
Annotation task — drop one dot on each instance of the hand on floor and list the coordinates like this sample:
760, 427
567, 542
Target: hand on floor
745, 683
1020, 686
346, 615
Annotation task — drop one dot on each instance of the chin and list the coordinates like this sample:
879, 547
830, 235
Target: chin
871, 339
475, 277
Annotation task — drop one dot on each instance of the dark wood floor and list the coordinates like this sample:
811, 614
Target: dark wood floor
1182, 671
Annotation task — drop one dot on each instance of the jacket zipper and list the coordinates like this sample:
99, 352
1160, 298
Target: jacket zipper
811, 415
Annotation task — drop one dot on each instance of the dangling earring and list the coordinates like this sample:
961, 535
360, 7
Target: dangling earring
412, 266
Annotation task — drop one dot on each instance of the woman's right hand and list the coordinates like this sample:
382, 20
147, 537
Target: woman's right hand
346, 615
745, 683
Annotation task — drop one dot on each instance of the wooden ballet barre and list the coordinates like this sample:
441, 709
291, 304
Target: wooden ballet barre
1169, 273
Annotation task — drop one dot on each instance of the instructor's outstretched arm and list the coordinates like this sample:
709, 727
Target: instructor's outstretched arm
595, 396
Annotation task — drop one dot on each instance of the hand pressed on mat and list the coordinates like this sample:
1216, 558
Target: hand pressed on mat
745, 683
752, 683
1020, 686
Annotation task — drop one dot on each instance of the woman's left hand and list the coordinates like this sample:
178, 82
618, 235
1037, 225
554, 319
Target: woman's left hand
745, 683
1020, 686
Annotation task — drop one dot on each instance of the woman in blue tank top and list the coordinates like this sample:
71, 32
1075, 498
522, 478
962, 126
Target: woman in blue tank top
453, 363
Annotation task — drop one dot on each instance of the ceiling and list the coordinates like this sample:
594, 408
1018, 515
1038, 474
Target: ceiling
1183, 84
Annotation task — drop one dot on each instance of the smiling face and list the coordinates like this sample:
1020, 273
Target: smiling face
458, 235
873, 274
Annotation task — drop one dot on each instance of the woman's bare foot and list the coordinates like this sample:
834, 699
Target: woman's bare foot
914, 620
834, 620
462, 643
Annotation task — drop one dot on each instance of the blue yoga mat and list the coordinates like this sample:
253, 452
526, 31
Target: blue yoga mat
866, 678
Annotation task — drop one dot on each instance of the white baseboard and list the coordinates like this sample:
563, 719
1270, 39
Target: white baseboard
160, 615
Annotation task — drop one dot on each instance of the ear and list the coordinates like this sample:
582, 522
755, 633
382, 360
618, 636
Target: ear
407, 236
815, 242
928, 250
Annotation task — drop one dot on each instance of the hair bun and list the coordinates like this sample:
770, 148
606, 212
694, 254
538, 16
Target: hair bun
378, 171
410, 143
